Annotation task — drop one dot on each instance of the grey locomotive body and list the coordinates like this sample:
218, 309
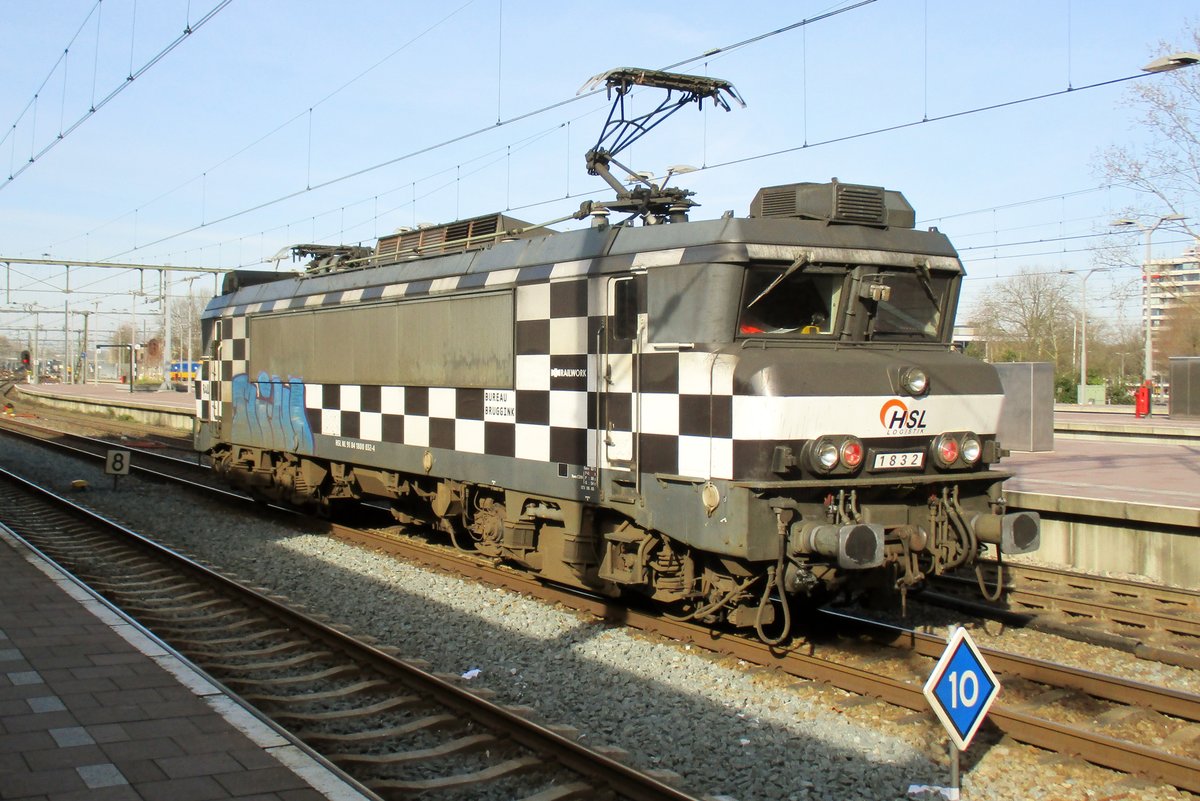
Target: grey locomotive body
719, 414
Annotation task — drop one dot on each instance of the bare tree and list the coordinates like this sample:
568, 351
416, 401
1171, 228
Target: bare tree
185, 326
1167, 168
1180, 335
1029, 317
125, 334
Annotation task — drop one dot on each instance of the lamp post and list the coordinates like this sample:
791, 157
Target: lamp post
34, 357
164, 277
1148, 366
1081, 392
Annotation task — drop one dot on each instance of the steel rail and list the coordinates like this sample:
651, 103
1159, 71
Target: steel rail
1183, 772
1183, 600
1160, 612
554, 748
1109, 752
1110, 688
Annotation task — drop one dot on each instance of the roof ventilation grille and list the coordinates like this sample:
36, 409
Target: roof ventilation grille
835, 202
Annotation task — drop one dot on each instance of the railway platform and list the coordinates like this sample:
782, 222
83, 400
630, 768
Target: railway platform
119, 394
1117, 494
93, 707
1074, 420
157, 407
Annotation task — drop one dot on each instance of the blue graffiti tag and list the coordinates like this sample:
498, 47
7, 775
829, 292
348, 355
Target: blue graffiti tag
269, 413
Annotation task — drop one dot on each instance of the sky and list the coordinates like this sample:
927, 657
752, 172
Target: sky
278, 123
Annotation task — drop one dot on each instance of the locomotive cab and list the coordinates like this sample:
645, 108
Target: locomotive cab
859, 434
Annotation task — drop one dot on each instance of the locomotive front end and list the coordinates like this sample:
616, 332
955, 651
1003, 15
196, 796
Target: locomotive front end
870, 458
868, 436
828, 435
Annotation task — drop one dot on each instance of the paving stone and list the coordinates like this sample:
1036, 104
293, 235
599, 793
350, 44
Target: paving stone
121, 792
199, 765
102, 775
64, 758
267, 780
140, 771
108, 733
142, 749
84, 716
38, 721
50, 782
201, 788
46, 703
23, 677
71, 736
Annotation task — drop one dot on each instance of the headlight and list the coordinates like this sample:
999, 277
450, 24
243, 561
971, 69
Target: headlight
971, 449
914, 380
839, 453
825, 454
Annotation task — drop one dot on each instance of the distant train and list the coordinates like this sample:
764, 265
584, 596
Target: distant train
182, 372
721, 415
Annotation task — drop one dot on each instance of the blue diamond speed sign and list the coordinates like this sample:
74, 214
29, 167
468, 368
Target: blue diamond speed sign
961, 688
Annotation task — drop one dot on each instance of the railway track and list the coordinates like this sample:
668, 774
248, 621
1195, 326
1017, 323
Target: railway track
1148, 620
1104, 720
1046, 699
387, 722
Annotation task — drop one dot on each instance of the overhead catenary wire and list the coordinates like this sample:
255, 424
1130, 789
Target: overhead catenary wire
374, 216
45, 81
732, 162
300, 115
1051, 253
914, 123
1103, 187
127, 82
729, 163
494, 126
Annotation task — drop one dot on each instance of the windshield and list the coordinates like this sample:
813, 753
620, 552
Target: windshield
913, 309
803, 301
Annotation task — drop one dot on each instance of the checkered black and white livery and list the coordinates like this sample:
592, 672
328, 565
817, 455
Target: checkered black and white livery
715, 412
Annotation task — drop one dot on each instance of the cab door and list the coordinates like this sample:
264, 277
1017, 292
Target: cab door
619, 375
208, 387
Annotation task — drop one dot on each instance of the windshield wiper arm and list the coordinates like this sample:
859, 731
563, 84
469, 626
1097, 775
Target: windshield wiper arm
926, 281
800, 262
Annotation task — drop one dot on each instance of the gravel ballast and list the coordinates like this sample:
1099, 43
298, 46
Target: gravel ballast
724, 727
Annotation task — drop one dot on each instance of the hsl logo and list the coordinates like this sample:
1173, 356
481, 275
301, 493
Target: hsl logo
897, 418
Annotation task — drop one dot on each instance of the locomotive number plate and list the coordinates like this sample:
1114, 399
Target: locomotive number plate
899, 461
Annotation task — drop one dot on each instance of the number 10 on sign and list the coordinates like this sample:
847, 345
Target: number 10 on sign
964, 689
961, 688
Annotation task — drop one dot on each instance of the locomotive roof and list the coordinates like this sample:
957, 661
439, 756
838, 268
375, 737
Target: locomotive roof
595, 250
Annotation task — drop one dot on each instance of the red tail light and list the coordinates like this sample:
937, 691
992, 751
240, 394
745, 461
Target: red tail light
852, 453
948, 451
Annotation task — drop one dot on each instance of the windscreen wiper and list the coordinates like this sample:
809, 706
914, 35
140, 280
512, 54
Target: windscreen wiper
926, 281
799, 264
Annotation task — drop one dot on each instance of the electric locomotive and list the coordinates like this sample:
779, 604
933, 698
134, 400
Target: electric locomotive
721, 415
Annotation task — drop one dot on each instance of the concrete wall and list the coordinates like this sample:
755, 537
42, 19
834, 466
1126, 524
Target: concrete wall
1027, 416
1169, 557
150, 415
1161, 543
